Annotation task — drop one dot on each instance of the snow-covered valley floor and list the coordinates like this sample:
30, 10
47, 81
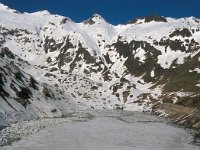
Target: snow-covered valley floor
107, 130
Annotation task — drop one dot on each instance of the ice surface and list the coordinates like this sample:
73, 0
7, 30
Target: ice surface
109, 131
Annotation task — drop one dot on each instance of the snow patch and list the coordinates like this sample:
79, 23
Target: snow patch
166, 59
140, 53
195, 70
152, 73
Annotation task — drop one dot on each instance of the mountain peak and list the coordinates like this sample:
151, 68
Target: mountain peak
147, 19
96, 18
7, 9
42, 13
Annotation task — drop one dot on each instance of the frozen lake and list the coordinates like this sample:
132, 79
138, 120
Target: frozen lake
108, 130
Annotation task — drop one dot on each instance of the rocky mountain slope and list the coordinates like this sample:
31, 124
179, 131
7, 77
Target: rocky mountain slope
51, 65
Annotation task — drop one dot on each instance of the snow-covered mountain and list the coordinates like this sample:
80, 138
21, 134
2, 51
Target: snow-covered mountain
51, 65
